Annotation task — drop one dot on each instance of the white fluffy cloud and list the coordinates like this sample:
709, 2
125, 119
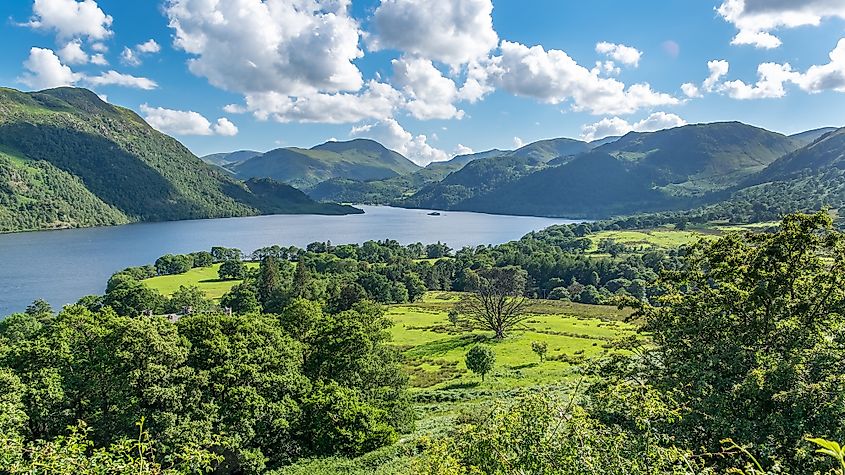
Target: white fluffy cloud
718, 69
395, 137
291, 59
554, 77
770, 84
462, 149
71, 19
624, 54
757, 19
772, 79
830, 76
289, 47
430, 94
150, 47
376, 101
178, 122
44, 70
454, 32
133, 56
72, 53
114, 78
613, 126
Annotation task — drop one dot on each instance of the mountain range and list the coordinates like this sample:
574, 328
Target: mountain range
358, 159
672, 169
69, 159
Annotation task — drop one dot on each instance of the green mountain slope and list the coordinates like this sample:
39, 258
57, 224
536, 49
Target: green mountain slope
639, 172
358, 159
128, 171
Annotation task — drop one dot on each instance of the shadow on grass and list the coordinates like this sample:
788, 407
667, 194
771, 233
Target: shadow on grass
463, 385
215, 281
445, 345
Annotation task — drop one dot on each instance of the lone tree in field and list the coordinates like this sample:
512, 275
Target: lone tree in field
540, 348
497, 302
480, 360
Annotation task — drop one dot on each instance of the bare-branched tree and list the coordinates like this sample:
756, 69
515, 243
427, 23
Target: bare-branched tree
496, 301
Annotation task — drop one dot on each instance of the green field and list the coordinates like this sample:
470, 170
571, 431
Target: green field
434, 349
668, 237
203, 277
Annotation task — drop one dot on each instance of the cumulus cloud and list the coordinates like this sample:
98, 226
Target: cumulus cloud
225, 127
613, 126
772, 79
461, 149
133, 56
430, 94
718, 69
71, 19
830, 76
518, 142
72, 53
757, 19
770, 84
114, 78
292, 60
624, 54
395, 137
287, 47
150, 47
376, 101
44, 70
554, 77
690, 90
176, 122
453, 32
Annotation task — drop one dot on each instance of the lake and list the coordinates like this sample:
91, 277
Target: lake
62, 266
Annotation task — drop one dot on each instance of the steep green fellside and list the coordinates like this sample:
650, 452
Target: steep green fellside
71, 160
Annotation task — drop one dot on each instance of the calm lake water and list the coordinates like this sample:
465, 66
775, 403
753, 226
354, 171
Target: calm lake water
62, 266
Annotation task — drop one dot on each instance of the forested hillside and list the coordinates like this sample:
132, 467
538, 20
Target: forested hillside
108, 159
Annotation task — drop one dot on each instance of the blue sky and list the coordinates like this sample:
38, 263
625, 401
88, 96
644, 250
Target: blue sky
434, 78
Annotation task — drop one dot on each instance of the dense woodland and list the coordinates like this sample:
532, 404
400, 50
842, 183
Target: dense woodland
741, 366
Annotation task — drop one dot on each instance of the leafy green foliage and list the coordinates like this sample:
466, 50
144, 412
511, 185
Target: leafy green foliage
747, 334
480, 360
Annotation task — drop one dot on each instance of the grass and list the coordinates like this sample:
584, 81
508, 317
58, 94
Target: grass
434, 349
667, 237
205, 278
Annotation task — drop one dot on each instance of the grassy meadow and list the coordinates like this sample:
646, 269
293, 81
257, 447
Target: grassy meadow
434, 348
205, 278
